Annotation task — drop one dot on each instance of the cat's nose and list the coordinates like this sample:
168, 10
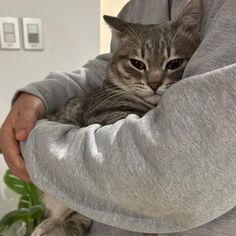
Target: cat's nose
154, 85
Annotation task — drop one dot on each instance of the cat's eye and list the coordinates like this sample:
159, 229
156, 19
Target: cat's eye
138, 64
174, 64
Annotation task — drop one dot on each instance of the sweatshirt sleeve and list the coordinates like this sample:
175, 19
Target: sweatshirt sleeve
58, 87
172, 170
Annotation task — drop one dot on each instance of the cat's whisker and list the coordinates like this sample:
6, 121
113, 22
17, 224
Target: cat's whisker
105, 89
119, 93
108, 98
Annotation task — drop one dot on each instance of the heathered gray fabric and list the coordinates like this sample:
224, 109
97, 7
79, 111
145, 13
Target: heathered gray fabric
170, 171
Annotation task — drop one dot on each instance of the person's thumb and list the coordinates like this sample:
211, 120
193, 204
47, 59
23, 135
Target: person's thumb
24, 124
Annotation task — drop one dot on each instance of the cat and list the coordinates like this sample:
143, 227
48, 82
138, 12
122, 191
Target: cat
149, 60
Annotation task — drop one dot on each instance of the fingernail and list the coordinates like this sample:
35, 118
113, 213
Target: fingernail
21, 132
21, 135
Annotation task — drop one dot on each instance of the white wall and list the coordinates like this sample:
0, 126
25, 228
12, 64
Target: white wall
71, 38
71, 34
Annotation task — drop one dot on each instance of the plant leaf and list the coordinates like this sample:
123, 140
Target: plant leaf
19, 186
22, 214
30, 208
15, 183
35, 194
25, 202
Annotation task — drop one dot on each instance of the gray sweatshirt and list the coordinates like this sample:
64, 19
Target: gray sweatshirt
172, 171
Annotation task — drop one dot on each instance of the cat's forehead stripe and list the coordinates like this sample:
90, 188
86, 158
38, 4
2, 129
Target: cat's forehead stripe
166, 53
172, 52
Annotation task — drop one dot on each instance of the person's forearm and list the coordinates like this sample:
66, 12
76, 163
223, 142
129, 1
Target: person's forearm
165, 163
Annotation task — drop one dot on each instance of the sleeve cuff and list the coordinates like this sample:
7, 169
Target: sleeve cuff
31, 90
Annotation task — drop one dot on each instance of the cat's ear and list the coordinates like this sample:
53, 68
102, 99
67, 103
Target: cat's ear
190, 17
117, 25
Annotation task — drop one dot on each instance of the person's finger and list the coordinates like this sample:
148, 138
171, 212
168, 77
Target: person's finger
11, 152
21, 119
24, 124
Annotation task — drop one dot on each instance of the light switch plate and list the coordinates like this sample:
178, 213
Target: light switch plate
33, 33
9, 33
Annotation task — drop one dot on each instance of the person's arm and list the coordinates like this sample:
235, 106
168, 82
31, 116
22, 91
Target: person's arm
172, 170
58, 87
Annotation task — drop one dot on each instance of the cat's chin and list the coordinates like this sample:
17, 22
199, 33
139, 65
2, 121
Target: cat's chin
153, 99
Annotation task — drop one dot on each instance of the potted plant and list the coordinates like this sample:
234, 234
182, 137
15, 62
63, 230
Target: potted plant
30, 210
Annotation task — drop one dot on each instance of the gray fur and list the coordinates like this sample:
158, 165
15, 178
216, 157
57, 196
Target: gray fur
128, 90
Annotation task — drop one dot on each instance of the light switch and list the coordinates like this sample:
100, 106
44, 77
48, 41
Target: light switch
9, 28
9, 33
33, 31
33, 34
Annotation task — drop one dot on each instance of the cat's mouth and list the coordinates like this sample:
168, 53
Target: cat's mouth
152, 99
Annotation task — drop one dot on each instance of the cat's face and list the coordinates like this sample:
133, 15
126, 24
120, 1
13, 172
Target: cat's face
151, 58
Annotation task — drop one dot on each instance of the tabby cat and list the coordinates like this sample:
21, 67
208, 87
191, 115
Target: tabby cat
149, 60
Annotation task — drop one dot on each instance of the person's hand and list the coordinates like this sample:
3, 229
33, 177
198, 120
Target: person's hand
24, 113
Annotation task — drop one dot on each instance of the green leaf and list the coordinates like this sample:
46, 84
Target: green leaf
15, 183
21, 187
30, 208
25, 202
35, 194
12, 217
22, 214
